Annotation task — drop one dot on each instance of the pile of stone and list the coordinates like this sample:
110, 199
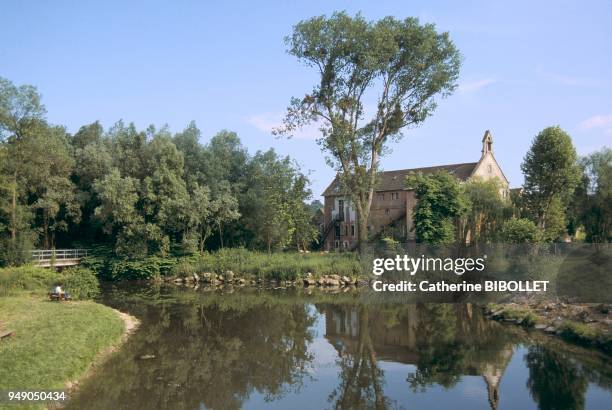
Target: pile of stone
329, 281
211, 278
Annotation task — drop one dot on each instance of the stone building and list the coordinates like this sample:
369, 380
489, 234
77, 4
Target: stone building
393, 204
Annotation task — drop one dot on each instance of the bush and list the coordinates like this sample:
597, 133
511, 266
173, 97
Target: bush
184, 269
144, 269
520, 230
80, 282
26, 278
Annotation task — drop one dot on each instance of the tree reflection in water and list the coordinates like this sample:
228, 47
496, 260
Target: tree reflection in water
443, 341
212, 355
555, 381
216, 350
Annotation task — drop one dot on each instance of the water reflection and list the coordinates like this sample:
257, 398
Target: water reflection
258, 350
443, 342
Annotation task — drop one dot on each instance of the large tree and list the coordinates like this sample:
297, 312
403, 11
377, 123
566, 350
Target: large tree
397, 67
592, 204
551, 174
20, 112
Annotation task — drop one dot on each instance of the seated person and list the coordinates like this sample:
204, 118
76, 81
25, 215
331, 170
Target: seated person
57, 293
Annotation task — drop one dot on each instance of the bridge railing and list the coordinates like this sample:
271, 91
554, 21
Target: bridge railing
58, 254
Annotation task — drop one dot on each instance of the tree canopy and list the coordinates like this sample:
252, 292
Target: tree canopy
141, 192
396, 66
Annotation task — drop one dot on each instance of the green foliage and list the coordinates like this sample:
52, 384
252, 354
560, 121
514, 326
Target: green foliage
146, 268
278, 266
485, 209
144, 193
439, 203
551, 175
405, 63
80, 282
14, 280
14, 252
520, 230
585, 335
555, 223
184, 269
244, 263
591, 206
275, 203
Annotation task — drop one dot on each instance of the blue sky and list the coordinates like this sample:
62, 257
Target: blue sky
527, 65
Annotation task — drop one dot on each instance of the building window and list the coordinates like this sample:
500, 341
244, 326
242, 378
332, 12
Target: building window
394, 195
345, 230
490, 168
336, 244
337, 231
387, 211
381, 196
352, 230
345, 244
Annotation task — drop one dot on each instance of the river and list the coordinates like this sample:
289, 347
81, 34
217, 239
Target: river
300, 349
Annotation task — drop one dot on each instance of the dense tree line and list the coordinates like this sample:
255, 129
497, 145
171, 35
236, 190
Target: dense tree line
563, 197
143, 192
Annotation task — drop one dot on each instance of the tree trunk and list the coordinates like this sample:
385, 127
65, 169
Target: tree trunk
220, 235
362, 229
201, 244
14, 210
46, 230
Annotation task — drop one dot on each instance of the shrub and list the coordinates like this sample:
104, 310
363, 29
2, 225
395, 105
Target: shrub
520, 230
144, 269
579, 333
184, 269
80, 282
26, 278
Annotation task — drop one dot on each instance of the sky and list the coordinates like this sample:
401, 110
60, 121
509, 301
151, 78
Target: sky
526, 65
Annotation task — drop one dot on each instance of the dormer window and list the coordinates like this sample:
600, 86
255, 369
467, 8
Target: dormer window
490, 168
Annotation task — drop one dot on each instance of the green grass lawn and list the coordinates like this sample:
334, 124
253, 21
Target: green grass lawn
53, 342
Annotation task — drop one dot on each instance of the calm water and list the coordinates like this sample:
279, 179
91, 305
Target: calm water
292, 350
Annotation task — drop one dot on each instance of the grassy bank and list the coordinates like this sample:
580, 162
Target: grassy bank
81, 282
53, 342
563, 320
244, 264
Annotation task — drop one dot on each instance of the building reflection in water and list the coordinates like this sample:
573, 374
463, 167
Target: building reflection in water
443, 342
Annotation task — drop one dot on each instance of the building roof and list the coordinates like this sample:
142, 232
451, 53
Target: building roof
395, 180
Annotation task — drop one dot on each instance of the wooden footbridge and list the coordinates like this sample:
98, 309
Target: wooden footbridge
47, 258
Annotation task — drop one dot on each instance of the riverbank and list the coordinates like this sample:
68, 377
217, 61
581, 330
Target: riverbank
243, 263
56, 344
588, 325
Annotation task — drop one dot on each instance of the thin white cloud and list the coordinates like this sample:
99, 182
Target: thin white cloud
267, 122
569, 80
597, 121
603, 121
472, 86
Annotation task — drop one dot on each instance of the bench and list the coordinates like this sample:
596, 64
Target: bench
59, 296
